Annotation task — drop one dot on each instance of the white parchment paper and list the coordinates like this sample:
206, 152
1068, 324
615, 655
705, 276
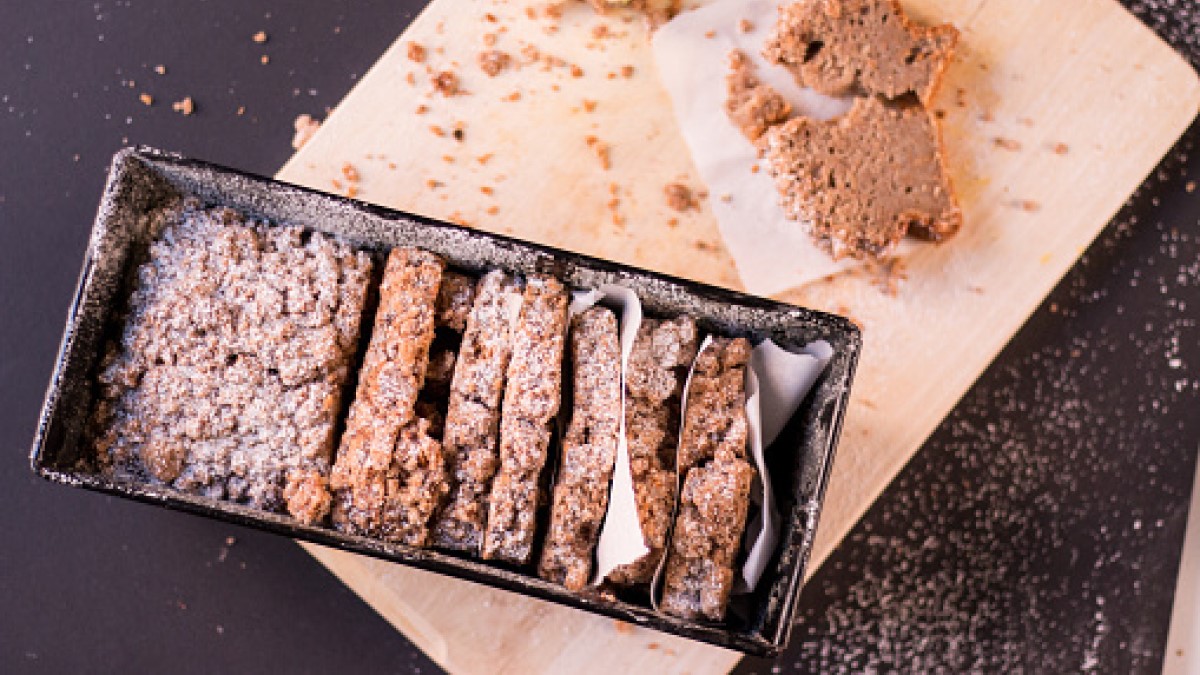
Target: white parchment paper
772, 253
621, 539
777, 382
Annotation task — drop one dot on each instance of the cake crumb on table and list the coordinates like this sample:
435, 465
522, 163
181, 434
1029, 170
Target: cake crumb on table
304, 125
187, 106
493, 62
680, 197
160, 69
601, 149
416, 52
1006, 143
146, 99
260, 37
446, 83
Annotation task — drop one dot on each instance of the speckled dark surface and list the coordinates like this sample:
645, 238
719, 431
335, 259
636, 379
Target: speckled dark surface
1038, 528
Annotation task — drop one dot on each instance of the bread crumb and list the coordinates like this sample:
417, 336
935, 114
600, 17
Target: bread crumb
422, 109
459, 131
589, 105
416, 53
350, 172
1059, 148
160, 69
146, 99
433, 184
627, 71
576, 71
241, 110
679, 197
411, 79
493, 210
437, 131
487, 190
265, 59
483, 159
727, 198
489, 39
672, 222
1006, 143
337, 184
652, 646
305, 126
187, 106
352, 191
745, 25
493, 62
1027, 205
1191, 186
489, 17
446, 83
622, 627
514, 96
889, 273
711, 34
600, 31
260, 37
602, 151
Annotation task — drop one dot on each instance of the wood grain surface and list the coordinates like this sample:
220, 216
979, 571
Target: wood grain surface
1054, 113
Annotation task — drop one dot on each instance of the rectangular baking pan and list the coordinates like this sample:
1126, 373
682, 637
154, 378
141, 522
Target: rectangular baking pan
139, 179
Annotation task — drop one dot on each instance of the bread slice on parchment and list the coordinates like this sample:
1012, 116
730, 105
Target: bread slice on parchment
865, 179
860, 47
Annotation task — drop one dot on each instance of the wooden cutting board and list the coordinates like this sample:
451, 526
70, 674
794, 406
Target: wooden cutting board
1054, 114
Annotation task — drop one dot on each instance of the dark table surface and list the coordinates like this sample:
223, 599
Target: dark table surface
1039, 528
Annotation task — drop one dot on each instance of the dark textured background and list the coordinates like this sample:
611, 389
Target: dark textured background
1039, 528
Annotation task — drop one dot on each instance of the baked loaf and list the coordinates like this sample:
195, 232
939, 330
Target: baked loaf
531, 402
865, 179
716, 487
860, 47
658, 365
473, 417
227, 376
753, 106
589, 451
389, 477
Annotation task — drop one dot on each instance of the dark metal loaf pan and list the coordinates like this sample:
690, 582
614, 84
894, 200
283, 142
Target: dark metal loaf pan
139, 179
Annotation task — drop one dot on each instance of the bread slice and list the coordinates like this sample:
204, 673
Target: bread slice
860, 47
389, 476
865, 179
716, 484
707, 536
658, 365
751, 105
589, 451
473, 417
531, 401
